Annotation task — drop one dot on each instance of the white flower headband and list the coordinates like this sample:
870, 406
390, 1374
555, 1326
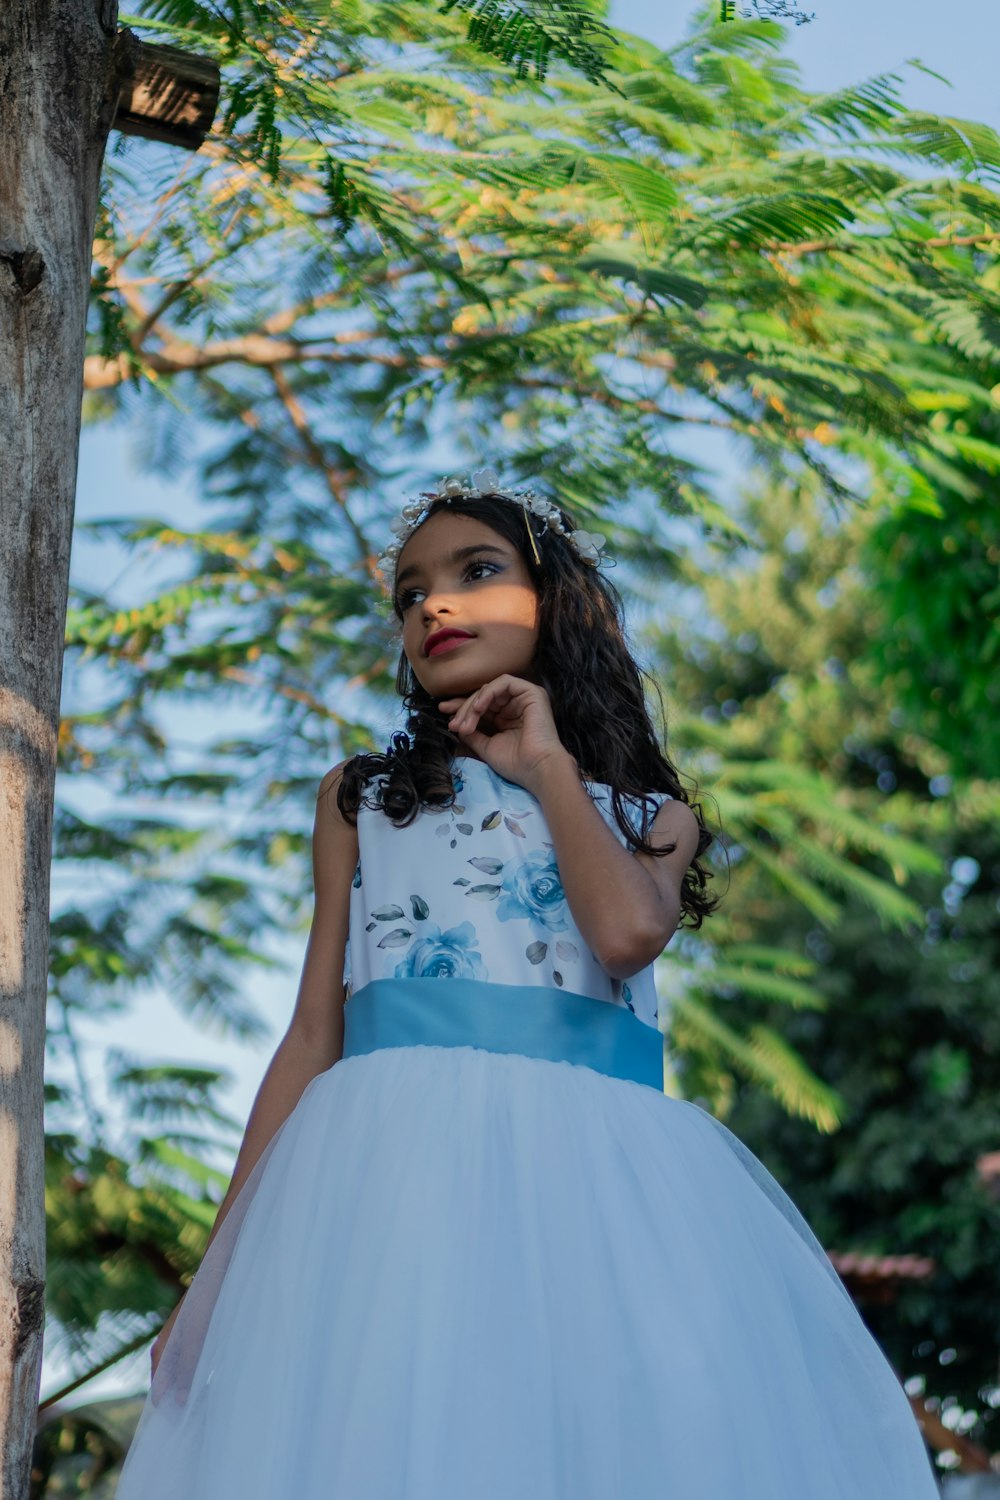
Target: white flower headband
486, 482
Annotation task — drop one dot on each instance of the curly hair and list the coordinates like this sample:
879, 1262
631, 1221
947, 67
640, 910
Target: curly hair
595, 688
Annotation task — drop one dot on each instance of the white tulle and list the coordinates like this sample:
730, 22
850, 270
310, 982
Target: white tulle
461, 1275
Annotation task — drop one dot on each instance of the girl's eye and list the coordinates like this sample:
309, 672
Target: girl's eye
405, 599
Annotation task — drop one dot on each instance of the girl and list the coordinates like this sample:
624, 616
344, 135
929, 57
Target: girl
471, 1250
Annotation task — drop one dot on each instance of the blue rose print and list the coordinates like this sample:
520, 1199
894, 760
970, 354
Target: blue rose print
533, 890
443, 955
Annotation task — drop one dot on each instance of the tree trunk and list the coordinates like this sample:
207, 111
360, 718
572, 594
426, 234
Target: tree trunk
60, 63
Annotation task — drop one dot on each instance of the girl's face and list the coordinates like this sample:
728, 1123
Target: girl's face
456, 572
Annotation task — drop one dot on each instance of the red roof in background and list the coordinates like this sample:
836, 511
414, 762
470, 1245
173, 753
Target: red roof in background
883, 1267
876, 1278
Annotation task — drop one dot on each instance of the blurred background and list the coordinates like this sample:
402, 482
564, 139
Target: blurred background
732, 292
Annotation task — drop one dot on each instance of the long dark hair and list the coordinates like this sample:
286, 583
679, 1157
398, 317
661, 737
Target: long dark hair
594, 685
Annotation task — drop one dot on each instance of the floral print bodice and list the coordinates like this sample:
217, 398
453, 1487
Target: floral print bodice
473, 891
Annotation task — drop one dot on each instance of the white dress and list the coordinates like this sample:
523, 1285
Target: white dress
487, 1258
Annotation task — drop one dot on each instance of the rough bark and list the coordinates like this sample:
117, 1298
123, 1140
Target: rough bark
60, 66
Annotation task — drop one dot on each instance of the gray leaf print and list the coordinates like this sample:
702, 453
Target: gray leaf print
421, 911
555, 975
387, 913
442, 830
536, 952
514, 827
458, 808
567, 950
357, 878
370, 926
396, 938
484, 892
462, 881
453, 844
493, 821
464, 827
488, 866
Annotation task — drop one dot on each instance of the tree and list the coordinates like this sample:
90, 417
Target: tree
64, 70
783, 660
508, 256
953, 694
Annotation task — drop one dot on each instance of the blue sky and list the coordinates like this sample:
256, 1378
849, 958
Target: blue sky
850, 40
847, 42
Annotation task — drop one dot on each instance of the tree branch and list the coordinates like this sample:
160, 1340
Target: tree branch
642, 404
106, 1364
335, 479
255, 349
865, 242
297, 695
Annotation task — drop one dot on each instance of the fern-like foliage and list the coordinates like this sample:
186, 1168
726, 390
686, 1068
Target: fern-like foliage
527, 34
506, 232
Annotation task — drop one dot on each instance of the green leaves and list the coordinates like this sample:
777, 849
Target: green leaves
656, 281
395, 229
962, 143
527, 34
557, 230
780, 216
763, 1058
505, 228
163, 1093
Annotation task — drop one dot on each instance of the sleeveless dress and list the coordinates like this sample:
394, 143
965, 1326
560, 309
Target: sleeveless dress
486, 1257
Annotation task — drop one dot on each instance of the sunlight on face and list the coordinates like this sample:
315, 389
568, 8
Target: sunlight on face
458, 572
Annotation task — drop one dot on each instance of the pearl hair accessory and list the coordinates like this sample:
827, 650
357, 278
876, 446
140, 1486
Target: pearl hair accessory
486, 482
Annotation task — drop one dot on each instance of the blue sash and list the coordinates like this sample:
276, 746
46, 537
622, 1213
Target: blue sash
533, 1020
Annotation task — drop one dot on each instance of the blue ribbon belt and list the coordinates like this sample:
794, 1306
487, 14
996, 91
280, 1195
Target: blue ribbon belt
532, 1020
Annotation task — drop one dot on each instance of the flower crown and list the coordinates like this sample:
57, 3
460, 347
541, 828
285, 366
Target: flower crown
486, 483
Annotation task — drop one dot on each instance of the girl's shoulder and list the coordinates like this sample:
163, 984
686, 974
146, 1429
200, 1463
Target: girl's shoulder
640, 807
333, 777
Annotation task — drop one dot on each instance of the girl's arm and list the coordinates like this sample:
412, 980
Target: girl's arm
627, 905
314, 1040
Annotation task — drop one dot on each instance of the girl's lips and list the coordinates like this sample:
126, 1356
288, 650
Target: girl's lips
448, 642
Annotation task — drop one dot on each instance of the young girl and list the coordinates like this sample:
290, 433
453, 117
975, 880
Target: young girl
471, 1249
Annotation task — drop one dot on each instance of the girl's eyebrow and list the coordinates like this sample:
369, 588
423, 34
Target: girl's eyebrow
459, 555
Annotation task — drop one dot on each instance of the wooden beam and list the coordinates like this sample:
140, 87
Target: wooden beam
171, 95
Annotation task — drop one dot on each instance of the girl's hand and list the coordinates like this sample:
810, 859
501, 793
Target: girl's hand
519, 736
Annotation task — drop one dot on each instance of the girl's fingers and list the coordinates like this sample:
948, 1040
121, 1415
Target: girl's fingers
471, 709
491, 697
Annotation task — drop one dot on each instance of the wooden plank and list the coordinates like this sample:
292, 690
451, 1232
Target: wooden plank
172, 96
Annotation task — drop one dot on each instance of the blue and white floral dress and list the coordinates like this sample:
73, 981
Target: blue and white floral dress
486, 1257
473, 892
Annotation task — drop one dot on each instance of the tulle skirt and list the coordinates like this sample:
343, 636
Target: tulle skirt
464, 1274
